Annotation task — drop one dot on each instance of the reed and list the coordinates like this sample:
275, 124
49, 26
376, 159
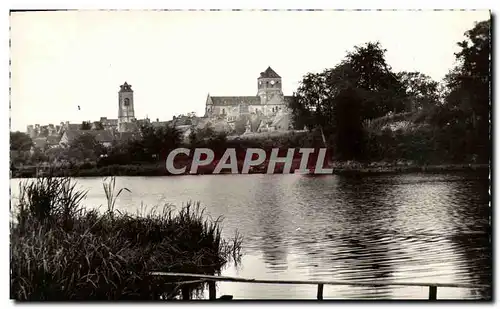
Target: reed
108, 185
62, 251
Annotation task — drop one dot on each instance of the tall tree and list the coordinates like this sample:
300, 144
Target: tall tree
156, 142
469, 83
348, 137
85, 147
469, 91
322, 99
376, 84
422, 90
311, 104
240, 124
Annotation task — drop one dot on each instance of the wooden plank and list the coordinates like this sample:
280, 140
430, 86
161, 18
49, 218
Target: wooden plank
186, 293
320, 291
432, 292
313, 282
212, 292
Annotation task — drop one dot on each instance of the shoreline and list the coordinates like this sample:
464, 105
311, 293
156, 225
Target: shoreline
339, 169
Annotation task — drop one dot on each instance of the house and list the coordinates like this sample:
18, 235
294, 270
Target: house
109, 124
44, 143
104, 137
39, 142
159, 124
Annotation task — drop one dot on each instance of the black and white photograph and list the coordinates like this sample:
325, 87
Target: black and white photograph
250, 154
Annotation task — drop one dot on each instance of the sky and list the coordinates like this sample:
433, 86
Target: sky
173, 59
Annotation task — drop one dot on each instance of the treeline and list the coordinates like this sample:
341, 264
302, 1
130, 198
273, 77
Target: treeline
361, 108
445, 122
157, 144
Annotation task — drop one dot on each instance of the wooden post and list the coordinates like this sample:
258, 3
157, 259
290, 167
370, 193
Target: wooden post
432, 292
186, 294
211, 290
320, 291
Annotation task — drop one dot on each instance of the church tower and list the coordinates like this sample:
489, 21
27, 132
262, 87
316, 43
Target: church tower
125, 106
269, 85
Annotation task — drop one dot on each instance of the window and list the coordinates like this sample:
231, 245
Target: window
126, 102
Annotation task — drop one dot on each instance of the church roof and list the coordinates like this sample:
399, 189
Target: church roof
269, 73
228, 101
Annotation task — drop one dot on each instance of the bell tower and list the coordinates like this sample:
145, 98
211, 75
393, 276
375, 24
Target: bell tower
125, 105
269, 85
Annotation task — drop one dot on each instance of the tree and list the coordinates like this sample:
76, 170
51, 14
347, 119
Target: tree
85, 147
199, 135
349, 135
421, 90
469, 83
156, 142
20, 141
240, 124
376, 84
85, 126
469, 91
311, 104
364, 74
38, 156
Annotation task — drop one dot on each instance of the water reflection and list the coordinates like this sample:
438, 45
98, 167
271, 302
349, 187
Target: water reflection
409, 228
475, 243
272, 223
366, 216
476, 262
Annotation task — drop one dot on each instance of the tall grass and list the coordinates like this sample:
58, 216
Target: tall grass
109, 190
61, 251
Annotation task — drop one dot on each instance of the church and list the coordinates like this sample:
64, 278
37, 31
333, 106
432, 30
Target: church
269, 103
266, 111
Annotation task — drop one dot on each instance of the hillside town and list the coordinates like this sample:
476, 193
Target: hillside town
267, 111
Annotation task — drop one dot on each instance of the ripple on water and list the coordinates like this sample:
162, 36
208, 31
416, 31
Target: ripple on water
405, 228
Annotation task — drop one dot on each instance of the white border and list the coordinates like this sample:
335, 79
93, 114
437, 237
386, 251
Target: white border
145, 4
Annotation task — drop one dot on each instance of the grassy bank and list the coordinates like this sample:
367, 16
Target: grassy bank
61, 251
339, 168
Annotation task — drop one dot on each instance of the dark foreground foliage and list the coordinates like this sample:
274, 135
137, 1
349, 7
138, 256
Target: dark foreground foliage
61, 251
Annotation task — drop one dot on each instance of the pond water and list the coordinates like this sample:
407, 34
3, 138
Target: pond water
431, 228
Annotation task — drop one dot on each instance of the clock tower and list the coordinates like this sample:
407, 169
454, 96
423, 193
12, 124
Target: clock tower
269, 85
125, 105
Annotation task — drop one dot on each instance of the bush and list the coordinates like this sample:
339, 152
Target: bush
60, 251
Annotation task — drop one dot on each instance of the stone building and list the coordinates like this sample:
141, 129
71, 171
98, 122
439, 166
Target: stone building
268, 103
126, 114
109, 124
